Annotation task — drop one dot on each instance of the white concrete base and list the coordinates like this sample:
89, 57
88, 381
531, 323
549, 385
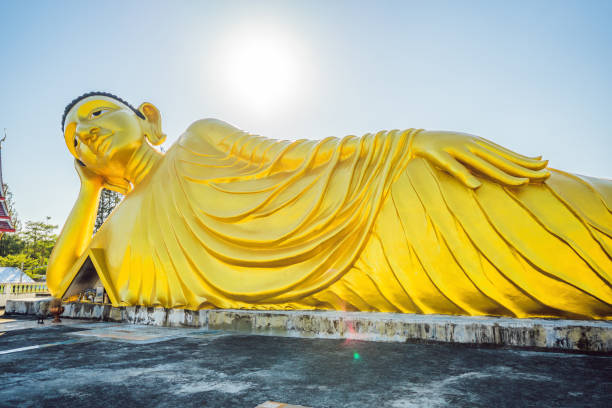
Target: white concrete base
549, 334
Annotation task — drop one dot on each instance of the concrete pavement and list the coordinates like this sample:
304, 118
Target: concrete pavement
97, 364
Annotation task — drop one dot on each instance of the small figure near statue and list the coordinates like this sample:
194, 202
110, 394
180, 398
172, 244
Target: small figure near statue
409, 221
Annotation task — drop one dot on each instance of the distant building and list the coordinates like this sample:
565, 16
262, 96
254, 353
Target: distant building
10, 274
6, 224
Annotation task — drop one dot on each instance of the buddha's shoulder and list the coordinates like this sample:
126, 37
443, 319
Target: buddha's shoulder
206, 134
210, 129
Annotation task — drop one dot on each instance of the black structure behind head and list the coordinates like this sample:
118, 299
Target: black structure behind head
108, 95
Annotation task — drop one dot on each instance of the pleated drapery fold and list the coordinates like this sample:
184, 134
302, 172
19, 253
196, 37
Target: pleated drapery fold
233, 220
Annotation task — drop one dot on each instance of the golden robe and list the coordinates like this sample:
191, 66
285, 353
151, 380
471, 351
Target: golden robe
232, 220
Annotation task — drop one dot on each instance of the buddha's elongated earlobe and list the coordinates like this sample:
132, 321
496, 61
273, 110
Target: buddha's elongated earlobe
152, 128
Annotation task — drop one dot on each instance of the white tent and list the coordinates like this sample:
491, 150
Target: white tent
10, 274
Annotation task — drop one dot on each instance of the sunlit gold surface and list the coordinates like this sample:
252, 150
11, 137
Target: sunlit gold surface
402, 221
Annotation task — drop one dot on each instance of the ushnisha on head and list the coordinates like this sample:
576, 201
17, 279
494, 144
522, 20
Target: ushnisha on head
110, 137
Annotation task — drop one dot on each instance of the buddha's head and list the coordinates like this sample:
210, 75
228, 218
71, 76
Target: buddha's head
103, 132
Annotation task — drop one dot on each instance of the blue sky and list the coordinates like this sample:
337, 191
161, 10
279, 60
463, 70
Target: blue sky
534, 76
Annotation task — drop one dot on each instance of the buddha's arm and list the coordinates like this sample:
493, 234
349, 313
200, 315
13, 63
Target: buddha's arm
456, 152
78, 229
460, 154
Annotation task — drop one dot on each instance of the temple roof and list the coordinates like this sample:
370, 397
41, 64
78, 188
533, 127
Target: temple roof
6, 224
13, 275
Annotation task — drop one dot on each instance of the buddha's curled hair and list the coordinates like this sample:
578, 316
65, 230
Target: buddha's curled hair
107, 94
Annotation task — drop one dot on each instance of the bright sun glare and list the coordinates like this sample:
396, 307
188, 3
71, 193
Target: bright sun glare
260, 69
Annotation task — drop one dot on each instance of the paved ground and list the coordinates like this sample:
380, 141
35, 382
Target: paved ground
102, 364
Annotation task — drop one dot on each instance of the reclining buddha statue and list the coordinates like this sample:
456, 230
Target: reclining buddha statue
408, 221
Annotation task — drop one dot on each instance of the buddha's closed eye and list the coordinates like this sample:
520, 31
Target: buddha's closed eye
98, 112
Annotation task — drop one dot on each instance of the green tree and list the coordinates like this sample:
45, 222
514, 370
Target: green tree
11, 244
39, 238
28, 248
108, 200
19, 261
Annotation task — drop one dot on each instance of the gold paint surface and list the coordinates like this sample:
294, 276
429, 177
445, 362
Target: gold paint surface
406, 221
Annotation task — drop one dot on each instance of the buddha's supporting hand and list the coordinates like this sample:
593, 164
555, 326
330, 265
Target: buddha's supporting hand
453, 151
89, 179
92, 181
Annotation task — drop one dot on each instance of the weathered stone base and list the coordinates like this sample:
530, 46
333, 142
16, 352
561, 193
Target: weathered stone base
545, 334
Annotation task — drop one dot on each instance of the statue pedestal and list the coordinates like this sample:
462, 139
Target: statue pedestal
482, 331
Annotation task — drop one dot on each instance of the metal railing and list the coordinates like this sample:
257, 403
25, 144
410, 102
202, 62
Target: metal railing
15, 288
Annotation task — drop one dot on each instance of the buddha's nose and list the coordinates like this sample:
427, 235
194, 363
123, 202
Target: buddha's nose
86, 132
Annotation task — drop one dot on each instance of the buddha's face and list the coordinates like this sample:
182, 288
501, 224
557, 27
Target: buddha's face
103, 134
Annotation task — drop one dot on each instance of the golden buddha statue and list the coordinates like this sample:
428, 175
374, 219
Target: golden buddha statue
408, 221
